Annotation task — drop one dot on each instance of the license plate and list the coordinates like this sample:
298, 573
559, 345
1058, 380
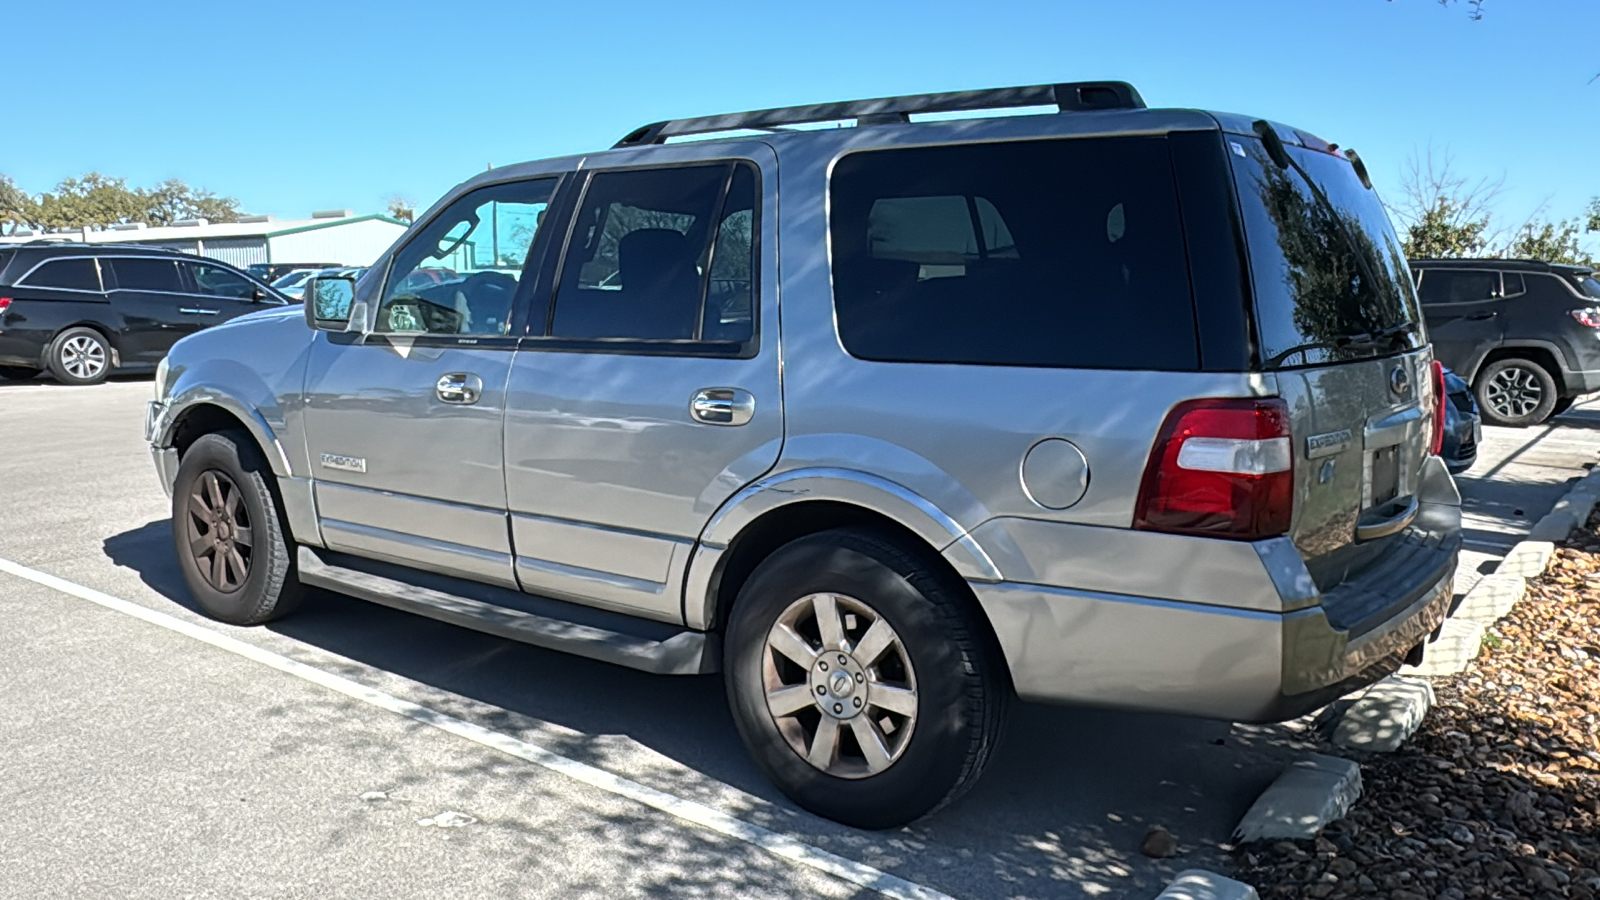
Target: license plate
1385, 475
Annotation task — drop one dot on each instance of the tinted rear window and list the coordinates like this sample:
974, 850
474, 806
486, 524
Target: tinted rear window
76, 274
1587, 285
1040, 253
1458, 286
1311, 290
153, 274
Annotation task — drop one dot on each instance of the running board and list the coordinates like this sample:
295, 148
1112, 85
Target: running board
684, 652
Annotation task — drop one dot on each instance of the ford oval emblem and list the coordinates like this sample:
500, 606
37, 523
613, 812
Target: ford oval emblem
1400, 381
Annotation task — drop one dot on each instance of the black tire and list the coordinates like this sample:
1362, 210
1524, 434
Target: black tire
1562, 405
269, 587
962, 686
1515, 393
80, 356
18, 373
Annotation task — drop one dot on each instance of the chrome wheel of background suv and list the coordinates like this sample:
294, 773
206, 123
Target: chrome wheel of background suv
833, 665
1514, 392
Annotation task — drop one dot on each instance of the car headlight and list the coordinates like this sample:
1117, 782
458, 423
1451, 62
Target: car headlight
161, 379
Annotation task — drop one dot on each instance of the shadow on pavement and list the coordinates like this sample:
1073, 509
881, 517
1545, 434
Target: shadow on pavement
1061, 811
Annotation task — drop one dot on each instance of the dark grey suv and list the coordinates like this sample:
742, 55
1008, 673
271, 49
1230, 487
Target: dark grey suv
1525, 334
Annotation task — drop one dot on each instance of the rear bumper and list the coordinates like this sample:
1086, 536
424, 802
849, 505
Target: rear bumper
1581, 381
1221, 658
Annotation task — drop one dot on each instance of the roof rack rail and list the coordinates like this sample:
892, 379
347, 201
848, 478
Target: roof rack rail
1077, 96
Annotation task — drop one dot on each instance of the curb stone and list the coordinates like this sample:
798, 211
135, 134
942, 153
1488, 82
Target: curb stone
1198, 884
1309, 794
1457, 645
1527, 559
1492, 598
1385, 715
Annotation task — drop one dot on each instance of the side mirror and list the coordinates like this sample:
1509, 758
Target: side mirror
328, 302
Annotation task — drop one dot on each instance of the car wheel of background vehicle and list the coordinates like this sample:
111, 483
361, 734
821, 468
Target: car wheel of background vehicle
863, 679
228, 532
1515, 393
18, 373
80, 356
1562, 405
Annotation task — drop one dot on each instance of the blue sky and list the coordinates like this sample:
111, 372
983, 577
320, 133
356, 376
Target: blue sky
292, 105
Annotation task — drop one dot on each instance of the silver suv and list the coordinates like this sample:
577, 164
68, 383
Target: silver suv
888, 423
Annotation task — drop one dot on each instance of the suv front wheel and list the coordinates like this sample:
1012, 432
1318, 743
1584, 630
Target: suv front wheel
862, 680
1516, 393
236, 557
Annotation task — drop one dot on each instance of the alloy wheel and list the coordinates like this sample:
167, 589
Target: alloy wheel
83, 356
1514, 392
220, 537
839, 685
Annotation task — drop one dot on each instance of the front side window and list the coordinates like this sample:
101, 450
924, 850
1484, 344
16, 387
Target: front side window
146, 274
1442, 286
215, 281
1039, 253
77, 274
460, 273
662, 255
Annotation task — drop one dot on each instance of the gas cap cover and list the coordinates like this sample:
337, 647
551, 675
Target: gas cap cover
1055, 473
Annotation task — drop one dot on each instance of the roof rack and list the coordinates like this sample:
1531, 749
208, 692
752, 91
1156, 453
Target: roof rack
1077, 96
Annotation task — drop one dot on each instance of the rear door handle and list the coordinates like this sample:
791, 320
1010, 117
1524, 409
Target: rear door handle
197, 312
461, 388
722, 406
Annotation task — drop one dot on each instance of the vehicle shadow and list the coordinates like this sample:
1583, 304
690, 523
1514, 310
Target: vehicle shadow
1061, 812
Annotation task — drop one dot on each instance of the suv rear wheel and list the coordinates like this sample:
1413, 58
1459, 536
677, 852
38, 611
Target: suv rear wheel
236, 557
1562, 405
1516, 393
80, 356
17, 373
861, 679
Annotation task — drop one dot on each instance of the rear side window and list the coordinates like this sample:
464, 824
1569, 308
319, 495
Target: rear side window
1062, 253
1513, 284
1440, 286
661, 255
77, 274
153, 274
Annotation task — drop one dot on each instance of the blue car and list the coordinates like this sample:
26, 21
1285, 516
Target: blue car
1463, 428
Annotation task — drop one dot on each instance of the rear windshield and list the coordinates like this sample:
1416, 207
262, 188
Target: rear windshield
1312, 293
1031, 253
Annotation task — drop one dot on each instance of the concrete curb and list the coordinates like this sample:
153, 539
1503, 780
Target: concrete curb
1457, 645
1198, 884
1493, 597
1308, 795
1385, 715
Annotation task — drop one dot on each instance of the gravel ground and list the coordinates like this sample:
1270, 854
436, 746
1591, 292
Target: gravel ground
1498, 795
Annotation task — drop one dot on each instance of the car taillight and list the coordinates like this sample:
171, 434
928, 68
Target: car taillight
1439, 400
5, 304
1220, 468
1589, 316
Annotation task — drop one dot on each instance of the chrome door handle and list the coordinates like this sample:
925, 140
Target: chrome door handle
459, 387
197, 312
722, 406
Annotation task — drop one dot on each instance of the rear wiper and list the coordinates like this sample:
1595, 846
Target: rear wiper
1381, 338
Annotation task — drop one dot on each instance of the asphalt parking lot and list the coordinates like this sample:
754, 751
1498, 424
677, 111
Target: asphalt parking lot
137, 759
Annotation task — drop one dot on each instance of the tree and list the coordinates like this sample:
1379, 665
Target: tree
99, 201
1443, 214
173, 201
1594, 215
1549, 241
402, 207
17, 209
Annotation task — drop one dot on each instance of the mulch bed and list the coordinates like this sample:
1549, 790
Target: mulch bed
1498, 794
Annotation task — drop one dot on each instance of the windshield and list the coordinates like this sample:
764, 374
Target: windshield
1587, 285
1331, 281
292, 279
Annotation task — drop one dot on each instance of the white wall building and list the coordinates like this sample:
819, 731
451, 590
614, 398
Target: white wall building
327, 237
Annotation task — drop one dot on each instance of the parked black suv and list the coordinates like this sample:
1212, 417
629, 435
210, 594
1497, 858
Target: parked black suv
84, 310
1525, 334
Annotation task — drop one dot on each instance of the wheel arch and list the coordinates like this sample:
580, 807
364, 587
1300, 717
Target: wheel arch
189, 418
109, 334
778, 510
1545, 354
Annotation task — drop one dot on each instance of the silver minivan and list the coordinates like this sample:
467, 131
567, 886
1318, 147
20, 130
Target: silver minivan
890, 424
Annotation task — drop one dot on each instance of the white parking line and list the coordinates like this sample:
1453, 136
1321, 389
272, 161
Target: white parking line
780, 845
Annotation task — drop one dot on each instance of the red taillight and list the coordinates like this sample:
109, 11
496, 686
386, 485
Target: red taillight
1220, 468
5, 304
1440, 398
1589, 316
